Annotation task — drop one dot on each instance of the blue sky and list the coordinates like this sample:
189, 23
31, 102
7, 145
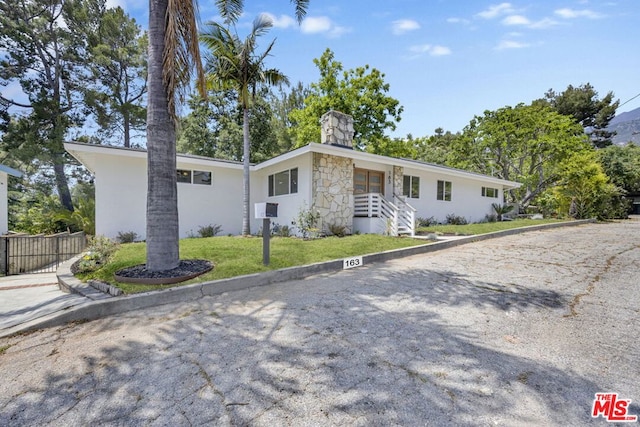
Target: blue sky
448, 60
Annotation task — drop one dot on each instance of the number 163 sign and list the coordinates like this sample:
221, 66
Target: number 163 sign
352, 262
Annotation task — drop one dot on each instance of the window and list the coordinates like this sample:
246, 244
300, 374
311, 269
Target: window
184, 176
285, 182
444, 190
199, 177
490, 192
411, 186
202, 177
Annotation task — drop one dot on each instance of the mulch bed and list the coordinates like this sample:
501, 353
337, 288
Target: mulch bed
187, 269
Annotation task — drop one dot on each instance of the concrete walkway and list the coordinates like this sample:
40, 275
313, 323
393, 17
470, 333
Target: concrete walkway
27, 297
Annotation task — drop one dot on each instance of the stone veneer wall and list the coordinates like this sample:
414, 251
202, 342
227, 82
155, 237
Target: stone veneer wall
398, 179
333, 190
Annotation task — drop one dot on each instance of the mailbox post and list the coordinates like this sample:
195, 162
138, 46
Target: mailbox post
266, 211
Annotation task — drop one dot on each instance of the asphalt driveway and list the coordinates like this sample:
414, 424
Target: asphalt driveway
520, 330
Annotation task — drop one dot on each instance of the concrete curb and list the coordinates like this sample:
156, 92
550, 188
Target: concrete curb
106, 305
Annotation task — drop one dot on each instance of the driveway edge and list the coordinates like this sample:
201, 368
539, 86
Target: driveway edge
98, 308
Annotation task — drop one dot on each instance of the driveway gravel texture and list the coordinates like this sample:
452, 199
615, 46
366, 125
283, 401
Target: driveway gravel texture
519, 330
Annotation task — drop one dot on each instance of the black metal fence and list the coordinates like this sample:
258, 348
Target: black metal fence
22, 253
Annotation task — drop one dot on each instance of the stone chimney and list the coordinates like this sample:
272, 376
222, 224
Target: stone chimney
336, 128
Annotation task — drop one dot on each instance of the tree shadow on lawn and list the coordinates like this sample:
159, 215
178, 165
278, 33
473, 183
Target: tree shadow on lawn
344, 348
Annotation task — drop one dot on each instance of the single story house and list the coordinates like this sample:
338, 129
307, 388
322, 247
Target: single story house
5, 171
359, 191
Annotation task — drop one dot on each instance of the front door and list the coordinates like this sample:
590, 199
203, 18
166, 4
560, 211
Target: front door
368, 181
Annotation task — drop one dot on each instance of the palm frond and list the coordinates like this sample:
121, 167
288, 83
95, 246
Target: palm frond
181, 52
230, 10
301, 8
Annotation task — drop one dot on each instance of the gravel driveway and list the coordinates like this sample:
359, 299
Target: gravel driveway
520, 330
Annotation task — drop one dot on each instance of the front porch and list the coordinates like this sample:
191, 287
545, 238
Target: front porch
375, 214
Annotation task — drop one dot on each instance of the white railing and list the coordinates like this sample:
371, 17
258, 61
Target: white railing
406, 216
393, 219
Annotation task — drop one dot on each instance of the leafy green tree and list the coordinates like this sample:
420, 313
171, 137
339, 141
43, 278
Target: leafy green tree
526, 143
622, 165
361, 93
584, 190
437, 148
282, 104
44, 46
583, 104
118, 66
235, 64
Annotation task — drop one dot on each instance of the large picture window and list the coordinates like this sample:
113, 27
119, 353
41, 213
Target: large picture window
490, 192
285, 182
444, 190
411, 186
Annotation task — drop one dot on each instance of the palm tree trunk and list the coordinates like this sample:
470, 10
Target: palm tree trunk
245, 173
162, 193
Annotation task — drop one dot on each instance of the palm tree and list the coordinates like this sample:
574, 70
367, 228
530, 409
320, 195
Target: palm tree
173, 51
234, 64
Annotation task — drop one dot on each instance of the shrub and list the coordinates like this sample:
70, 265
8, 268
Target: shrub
502, 210
490, 218
337, 230
98, 252
280, 230
426, 222
453, 219
307, 222
127, 236
210, 230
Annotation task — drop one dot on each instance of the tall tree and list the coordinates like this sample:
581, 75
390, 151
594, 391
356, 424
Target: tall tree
526, 143
43, 43
235, 64
118, 69
361, 93
173, 49
282, 104
583, 104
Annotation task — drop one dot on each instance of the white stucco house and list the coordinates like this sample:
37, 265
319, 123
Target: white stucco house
5, 171
360, 191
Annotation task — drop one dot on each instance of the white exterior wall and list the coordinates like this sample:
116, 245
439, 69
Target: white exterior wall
4, 206
217, 204
466, 197
289, 204
121, 197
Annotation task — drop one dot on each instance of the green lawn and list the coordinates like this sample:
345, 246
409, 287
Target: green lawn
483, 228
235, 256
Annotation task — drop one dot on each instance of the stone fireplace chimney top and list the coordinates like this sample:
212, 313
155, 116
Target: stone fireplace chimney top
336, 128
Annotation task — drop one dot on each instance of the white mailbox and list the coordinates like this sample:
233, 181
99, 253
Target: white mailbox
266, 210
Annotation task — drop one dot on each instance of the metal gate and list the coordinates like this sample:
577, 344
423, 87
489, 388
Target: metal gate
22, 253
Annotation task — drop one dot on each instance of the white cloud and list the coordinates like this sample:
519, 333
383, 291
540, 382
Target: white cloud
421, 49
496, 10
284, 21
516, 20
568, 13
543, 23
402, 26
511, 44
322, 25
440, 51
316, 24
